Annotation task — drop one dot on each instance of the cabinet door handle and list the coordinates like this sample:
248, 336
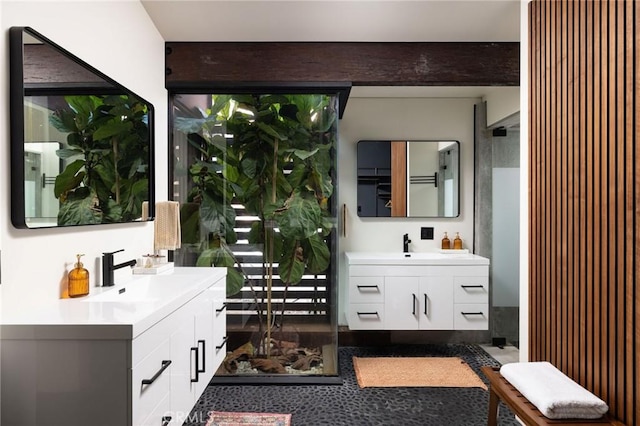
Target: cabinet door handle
166, 420
224, 306
368, 286
472, 286
224, 342
472, 313
415, 299
204, 357
165, 364
426, 304
196, 365
368, 313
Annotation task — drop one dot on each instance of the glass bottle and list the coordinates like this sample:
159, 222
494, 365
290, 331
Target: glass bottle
457, 242
446, 243
78, 279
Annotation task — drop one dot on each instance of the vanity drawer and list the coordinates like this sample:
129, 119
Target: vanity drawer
154, 368
219, 324
471, 316
366, 289
162, 415
366, 316
471, 289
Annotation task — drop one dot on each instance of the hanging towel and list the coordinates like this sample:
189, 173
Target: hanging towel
145, 211
166, 234
552, 392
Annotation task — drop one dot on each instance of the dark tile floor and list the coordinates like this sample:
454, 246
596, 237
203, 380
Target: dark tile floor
349, 405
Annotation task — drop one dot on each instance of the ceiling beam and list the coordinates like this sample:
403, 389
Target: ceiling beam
206, 64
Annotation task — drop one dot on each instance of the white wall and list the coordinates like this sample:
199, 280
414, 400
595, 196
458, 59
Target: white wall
118, 38
402, 119
502, 102
524, 182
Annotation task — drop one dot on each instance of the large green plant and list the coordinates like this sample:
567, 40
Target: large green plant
106, 178
278, 166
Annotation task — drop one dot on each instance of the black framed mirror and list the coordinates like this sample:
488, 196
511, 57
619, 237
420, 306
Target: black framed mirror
82, 146
408, 178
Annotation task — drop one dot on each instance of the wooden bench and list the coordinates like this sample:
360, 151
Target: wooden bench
501, 390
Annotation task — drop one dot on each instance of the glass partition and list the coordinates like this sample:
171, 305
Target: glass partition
256, 178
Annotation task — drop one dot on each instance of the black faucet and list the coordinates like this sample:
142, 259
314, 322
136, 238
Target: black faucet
405, 243
108, 267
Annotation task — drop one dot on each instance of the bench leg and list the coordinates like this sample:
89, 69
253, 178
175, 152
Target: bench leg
493, 408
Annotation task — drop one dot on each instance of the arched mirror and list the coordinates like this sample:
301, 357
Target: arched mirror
417, 178
81, 143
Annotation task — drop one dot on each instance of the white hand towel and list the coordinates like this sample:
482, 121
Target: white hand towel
167, 226
552, 392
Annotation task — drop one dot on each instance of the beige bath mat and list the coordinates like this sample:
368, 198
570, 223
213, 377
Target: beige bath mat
415, 372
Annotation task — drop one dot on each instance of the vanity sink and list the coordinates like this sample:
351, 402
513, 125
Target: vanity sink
140, 289
135, 291
419, 258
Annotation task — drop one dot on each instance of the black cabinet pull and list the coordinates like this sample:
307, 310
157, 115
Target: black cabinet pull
415, 299
165, 364
224, 306
472, 286
368, 313
426, 303
224, 342
368, 286
472, 313
196, 364
204, 357
166, 420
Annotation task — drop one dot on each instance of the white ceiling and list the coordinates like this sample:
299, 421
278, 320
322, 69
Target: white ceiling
325, 20
359, 20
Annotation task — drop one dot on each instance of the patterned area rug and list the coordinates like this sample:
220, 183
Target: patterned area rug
384, 372
219, 418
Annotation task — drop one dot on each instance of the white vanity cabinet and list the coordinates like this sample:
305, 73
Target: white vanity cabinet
419, 303
104, 361
423, 291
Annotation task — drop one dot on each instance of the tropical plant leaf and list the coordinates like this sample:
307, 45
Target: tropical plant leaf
271, 131
235, 282
291, 266
66, 153
318, 254
112, 128
63, 121
222, 257
69, 179
300, 219
80, 208
302, 154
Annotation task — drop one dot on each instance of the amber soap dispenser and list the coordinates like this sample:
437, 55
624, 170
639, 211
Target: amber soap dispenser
446, 242
457, 242
78, 279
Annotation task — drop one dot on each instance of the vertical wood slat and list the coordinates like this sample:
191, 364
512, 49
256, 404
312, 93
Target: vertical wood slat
632, 127
399, 179
584, 122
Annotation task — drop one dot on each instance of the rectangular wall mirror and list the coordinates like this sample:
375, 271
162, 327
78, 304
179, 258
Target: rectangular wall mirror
81, 143
418, 178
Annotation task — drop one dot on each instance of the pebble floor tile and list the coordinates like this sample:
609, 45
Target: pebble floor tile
349, 405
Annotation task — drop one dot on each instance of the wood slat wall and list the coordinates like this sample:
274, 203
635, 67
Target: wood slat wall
398, 178
584, 188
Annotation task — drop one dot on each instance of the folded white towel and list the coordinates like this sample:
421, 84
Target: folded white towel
552, 392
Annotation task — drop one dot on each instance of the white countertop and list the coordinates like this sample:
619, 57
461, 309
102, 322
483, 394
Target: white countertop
424, 258
108, 312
